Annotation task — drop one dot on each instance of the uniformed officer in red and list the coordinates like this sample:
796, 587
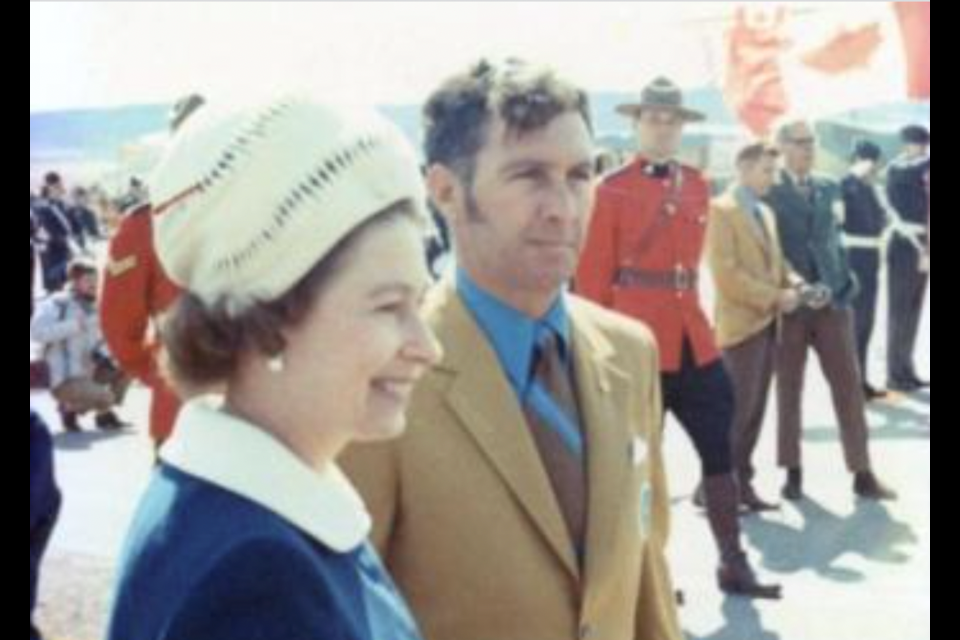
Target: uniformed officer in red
642, 258
136, 292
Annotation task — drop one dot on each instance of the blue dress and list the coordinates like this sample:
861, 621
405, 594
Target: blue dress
44, 504
204, 563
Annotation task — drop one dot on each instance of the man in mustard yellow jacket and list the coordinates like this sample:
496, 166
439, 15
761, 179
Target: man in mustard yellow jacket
754, 286
528, 499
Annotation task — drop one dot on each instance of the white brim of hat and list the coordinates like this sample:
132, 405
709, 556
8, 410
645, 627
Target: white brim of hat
633, 110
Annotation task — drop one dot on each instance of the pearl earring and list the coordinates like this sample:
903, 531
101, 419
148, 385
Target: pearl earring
276, 364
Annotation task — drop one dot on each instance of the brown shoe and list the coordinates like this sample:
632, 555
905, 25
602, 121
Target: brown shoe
752, 502
867, 486
873, 394
736, 577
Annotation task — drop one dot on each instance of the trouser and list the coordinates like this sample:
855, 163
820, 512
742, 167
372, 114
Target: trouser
907, 292
701, 398
751, 365
164, 408
100, 392
829, 332
54, 271
865, 263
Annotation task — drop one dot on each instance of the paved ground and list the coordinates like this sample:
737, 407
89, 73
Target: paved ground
101, 477
851, 571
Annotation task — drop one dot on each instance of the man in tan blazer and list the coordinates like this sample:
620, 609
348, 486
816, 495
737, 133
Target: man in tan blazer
754, 286
528, 499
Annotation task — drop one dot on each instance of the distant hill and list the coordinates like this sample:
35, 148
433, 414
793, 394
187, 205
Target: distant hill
97, 133
96, 136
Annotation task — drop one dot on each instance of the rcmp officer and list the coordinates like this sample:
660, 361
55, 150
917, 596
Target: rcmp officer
642, 259
136, 291
864, 225
908, 190
808, 208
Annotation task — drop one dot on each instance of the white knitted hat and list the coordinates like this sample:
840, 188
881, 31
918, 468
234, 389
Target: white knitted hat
248, 201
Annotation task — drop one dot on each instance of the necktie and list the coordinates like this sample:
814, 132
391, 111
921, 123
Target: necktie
758, 218
554, 418
660, 171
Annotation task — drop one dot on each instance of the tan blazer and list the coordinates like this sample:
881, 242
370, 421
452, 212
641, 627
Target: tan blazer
749, 270
465, 516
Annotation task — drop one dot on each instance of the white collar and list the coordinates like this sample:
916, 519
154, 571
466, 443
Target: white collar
906, 162
245, 460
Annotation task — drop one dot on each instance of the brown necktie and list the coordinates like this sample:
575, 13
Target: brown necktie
565, 468
761, 223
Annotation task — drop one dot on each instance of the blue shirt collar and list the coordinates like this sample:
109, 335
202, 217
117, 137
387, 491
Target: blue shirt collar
514, 335
747, 199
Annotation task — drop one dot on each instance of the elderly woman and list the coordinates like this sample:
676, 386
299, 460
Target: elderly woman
296, 231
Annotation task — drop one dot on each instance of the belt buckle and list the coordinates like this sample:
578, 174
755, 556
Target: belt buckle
683, 279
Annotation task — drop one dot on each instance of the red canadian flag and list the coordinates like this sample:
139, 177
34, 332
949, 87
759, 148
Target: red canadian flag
915, 23
826, 60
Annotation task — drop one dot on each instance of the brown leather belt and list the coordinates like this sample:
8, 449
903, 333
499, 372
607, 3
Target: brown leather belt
676, 280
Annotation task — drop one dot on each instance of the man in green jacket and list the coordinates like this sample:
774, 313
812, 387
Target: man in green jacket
808, 211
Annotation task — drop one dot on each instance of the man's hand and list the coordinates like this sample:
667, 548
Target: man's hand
789, 301
815, 296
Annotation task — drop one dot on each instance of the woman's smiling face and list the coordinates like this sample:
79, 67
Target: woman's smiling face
352, 364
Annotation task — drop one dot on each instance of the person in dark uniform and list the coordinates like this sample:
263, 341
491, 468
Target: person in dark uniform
865, 221
57, 231
34, 247
908, 257
83, 220
44, 504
